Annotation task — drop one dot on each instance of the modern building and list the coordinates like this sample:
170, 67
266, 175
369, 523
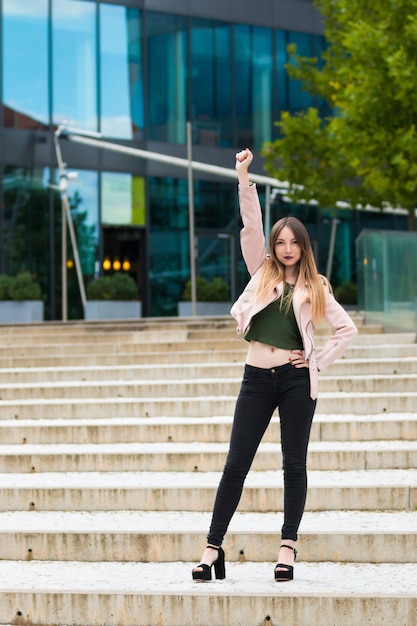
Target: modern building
136, 71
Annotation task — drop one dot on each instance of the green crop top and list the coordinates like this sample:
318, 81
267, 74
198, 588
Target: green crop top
276, 327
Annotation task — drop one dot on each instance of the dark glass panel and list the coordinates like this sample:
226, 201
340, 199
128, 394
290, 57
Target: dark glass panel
281, 73
298, 98
167, 77
254, 85
25, 223
25, 63
211, 83
216, 222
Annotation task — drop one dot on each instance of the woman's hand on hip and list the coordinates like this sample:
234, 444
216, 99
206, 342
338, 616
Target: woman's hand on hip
297, 359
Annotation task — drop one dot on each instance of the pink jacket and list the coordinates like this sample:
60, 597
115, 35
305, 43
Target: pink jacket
254, 252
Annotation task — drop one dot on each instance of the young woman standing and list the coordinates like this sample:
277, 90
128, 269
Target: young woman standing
277, 313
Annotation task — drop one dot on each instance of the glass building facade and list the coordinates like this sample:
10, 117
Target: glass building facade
137, 71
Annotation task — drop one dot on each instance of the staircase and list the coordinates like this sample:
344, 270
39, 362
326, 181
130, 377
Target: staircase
113, 437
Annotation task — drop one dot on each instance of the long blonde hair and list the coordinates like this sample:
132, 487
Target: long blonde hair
273, 271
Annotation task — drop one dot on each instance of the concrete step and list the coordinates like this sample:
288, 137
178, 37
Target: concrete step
171, 536
140, 594
56, 331
177, 341
193, 387
52, 361
349, 427
190, 371
363, 490
203, 406
104, 498
174, 339
202, 457
398, 346
236, 354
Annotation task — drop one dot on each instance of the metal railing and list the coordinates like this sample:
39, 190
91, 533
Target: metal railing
94, 139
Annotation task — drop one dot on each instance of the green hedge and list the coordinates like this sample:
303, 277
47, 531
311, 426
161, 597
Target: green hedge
116, 287
20, 287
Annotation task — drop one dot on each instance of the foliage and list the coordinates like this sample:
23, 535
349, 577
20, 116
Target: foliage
4, 287
346, 293
367, 151
216, 290
116, 287
20, 287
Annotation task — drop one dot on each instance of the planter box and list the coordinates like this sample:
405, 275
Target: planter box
204, 308
112, 309
12, 311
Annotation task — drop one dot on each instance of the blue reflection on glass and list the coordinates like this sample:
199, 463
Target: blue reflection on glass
25, 63
121, 82
74, 63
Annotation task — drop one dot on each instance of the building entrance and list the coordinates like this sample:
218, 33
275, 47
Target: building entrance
124, 251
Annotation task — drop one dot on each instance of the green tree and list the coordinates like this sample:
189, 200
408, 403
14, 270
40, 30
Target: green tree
366, 152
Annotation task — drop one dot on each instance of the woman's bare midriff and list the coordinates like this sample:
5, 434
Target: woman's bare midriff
262, 355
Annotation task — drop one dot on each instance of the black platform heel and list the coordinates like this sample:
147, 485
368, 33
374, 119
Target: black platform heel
219, 568
287, 571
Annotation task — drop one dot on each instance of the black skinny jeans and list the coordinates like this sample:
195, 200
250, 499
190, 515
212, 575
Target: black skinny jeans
262, 391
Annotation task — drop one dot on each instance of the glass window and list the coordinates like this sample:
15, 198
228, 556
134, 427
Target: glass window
25, 221
74, 63
215, 205
25, 225
169, 243
122, 199
298, 98
121, 87
25, 63
83, 199
281, 73
211, 80
253, 79
167, 77
216, 217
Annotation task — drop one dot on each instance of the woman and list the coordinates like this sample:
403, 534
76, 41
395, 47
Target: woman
283, 301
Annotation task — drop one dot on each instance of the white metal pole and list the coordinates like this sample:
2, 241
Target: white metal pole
191, 218
67, 220
267, 214
331, 248
73, 135
64, 262
62, 189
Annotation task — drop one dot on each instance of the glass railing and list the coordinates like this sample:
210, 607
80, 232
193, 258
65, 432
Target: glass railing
387, 278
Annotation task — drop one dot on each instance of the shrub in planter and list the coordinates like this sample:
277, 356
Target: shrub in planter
20, 287
24, 287
4, 287
116, 287
99, 289
212, 297
112, 297
21, 299
216, 290
346, 293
